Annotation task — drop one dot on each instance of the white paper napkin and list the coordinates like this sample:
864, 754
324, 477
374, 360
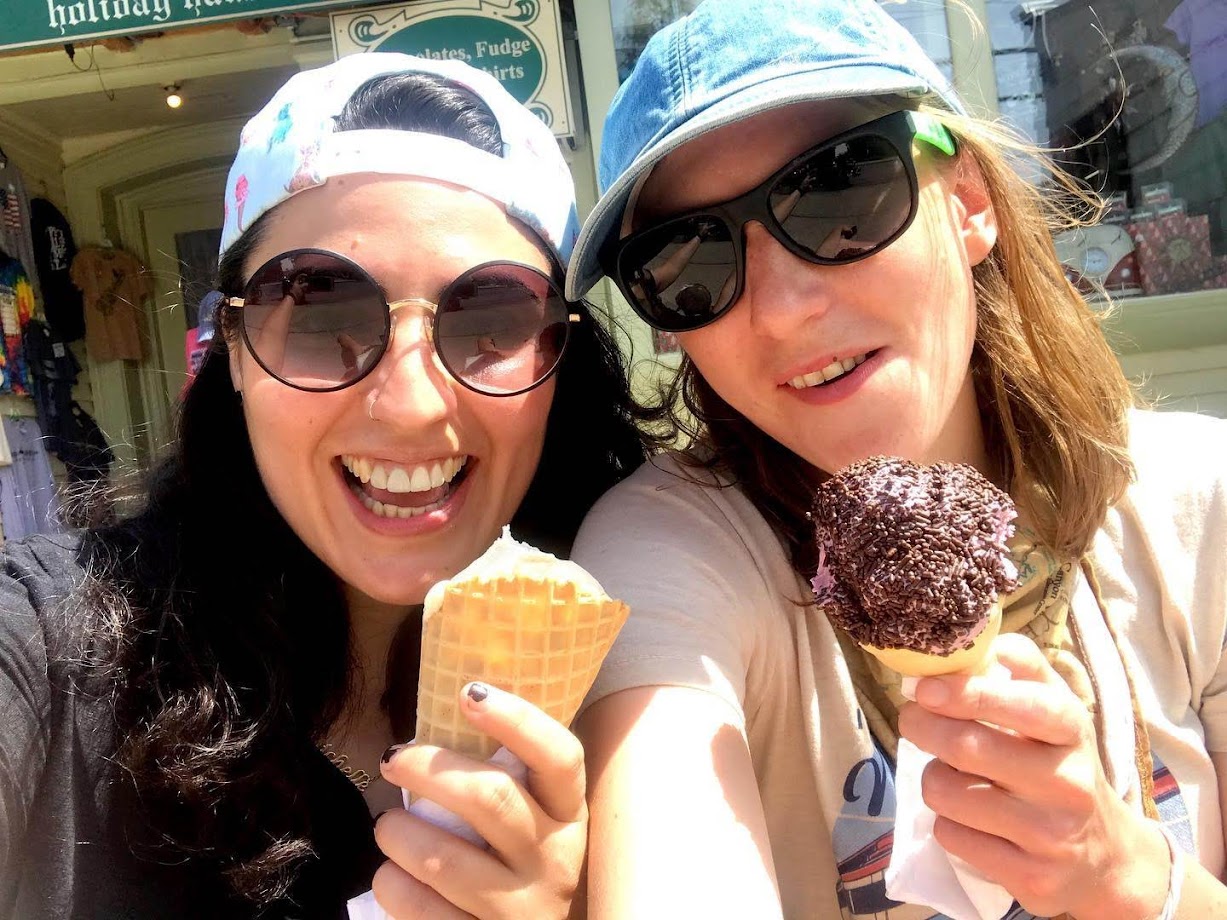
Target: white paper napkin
920, 871
365, 907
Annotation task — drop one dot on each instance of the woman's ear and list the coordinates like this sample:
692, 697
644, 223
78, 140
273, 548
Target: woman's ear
973, 210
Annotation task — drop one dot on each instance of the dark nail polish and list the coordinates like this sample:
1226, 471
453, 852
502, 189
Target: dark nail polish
390, 753
478, 692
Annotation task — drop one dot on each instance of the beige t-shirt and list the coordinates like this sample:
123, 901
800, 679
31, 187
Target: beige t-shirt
115, 286
714, 605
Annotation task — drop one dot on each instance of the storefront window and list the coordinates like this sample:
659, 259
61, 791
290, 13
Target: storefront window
635, 21
1135, 92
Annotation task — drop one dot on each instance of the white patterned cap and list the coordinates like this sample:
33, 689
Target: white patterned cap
292, 144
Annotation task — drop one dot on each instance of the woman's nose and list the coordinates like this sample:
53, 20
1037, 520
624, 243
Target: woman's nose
412, 388
782, 291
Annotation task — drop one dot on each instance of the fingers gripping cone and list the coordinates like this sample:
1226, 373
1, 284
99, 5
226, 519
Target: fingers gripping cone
517, 619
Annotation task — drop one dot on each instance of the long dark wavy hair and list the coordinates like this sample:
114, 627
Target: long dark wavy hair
224, 640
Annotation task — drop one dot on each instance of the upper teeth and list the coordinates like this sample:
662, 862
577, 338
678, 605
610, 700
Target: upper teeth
836, 368
420, 478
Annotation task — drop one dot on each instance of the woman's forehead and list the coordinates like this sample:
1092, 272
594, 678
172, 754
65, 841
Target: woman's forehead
396, 224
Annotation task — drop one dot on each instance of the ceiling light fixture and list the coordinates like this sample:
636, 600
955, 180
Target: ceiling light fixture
173, 98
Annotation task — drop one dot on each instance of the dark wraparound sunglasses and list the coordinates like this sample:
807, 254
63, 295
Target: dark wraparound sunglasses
841, 201
317, 321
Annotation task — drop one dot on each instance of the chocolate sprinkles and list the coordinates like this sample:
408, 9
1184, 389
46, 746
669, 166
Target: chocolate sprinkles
912, 556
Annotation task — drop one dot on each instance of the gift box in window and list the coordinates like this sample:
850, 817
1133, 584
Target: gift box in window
1173, 250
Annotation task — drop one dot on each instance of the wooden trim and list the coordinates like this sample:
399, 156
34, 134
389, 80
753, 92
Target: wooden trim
1146, 324
37, 154
971, 56
159, 62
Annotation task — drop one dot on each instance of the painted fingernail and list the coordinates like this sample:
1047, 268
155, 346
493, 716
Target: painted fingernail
478, 692
391, 752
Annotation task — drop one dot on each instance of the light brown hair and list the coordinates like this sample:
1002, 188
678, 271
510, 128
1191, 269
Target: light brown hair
1052, 397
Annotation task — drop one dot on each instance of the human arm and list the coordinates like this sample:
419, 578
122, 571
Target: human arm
677, 826
1021, 795
692, 687
25, 711
537, 830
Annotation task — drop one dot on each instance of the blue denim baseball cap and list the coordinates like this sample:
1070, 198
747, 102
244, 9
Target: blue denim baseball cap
729, 60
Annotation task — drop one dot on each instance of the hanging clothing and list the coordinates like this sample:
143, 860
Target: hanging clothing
15, 235
53, 371
70, 433
16, 309
28, 502
115, 285
54, 251
83, 447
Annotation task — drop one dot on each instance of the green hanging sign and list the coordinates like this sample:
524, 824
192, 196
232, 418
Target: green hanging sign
518, 42
29, 23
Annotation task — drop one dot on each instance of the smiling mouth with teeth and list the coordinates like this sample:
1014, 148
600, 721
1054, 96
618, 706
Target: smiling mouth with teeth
394, 491
832, 371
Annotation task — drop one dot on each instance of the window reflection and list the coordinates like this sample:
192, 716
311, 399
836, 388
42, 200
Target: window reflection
635, 21
1150, 78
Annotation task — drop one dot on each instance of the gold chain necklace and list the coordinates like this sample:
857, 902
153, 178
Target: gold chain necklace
358, 777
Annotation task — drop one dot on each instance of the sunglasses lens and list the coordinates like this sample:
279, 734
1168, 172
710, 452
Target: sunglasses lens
682, 274
501, 328
314, 320
845, 201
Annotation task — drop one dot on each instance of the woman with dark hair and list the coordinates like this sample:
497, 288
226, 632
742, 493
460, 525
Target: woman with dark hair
854, 267
194, 699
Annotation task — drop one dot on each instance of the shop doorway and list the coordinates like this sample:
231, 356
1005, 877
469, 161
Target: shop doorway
182, 242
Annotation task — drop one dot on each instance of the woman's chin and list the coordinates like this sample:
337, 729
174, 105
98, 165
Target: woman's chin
386, 590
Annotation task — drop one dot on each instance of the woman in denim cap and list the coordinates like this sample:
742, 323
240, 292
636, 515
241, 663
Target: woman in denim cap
201, 702
853, 268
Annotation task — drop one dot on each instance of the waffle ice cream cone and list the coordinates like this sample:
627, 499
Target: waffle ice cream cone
973, 659
517, 619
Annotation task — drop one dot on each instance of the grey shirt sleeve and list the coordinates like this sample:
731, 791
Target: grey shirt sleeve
33, 576
24, 716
